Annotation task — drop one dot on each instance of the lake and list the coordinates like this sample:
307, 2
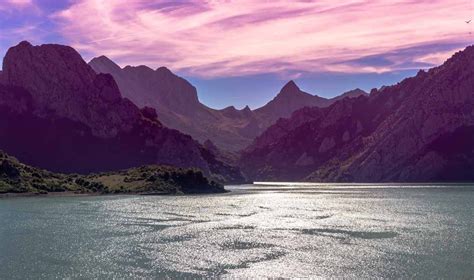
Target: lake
285, 230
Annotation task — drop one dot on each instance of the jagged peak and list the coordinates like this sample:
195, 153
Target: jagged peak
355, 92
469, 50
104, 60
290, 87
359, 90
230, 108
246, 109
139, 67
460, 58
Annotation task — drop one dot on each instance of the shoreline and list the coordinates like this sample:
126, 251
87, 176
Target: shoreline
78, 194
49, 194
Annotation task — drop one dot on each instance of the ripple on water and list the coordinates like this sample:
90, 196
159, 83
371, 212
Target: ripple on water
151, 227
235, 227
349, 233
176, 238
219, 269
244, 245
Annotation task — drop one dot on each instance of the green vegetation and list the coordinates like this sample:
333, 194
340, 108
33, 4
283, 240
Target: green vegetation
16, 177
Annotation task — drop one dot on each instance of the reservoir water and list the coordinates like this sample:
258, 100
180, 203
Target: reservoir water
327, 231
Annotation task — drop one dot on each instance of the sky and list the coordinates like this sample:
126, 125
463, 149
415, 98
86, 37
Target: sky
242, 52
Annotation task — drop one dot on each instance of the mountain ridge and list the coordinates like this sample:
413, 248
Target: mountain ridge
387, 136
230, 129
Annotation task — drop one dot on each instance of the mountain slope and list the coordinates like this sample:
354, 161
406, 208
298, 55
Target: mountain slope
177, 105
400, 133
70, 119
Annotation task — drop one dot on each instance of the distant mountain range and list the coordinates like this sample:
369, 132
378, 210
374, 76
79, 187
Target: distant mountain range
421, 129
178, 107
59, 113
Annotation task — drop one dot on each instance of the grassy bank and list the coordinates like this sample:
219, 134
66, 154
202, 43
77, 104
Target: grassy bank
18, 178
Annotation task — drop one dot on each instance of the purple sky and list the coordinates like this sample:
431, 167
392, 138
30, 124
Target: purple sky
242, 52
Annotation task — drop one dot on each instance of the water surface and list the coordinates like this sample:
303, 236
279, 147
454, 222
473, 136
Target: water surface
352, 231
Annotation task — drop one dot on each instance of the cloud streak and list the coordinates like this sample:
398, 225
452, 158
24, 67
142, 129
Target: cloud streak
232, 38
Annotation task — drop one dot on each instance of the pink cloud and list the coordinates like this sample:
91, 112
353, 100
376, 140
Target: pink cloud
9, 5
225, 38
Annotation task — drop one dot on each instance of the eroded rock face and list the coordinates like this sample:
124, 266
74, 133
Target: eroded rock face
398, 133
57, 113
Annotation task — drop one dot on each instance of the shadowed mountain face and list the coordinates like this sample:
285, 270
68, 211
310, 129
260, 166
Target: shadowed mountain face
421, 129
57, 113
177, 105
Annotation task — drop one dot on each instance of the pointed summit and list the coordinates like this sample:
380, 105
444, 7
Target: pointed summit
103, 64
290, 88
102, 58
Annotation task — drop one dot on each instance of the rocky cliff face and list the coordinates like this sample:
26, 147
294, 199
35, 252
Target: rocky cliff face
62, 84
57, 113
177, 105
403, 132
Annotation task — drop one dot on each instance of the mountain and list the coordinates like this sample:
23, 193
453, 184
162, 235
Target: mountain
16, 177
178, 106
159, 88
57, 113
292, 98
421, 129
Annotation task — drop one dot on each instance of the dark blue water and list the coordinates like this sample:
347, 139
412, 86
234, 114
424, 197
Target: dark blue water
272, 231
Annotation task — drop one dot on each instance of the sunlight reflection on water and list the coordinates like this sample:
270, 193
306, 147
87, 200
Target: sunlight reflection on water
271, 231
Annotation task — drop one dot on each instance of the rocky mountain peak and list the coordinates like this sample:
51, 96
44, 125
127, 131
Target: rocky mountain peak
49, 61
63, 84
164, 70
352, 93
24, 44
102, 63
289, 88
